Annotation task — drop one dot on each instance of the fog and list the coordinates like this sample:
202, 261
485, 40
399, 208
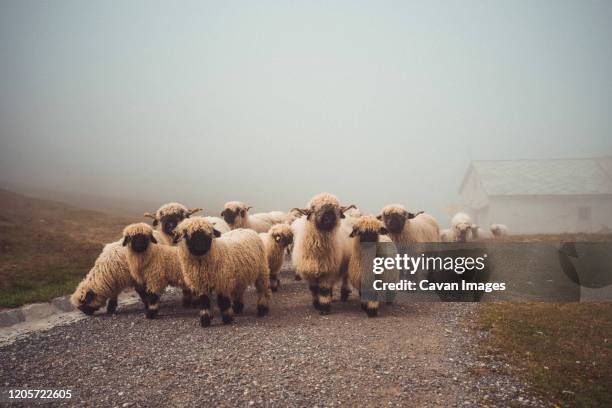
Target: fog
272, 102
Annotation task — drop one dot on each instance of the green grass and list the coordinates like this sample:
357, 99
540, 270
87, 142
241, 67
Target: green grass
564, 351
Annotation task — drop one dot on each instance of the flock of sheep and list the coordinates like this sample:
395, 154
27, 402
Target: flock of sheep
224, 256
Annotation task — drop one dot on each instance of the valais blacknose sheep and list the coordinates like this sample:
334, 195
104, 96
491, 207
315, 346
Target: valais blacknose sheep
408, 228
368, 234
167, 217
236, 214
226, 264
322, 249
461, 227
153, 267
499, 230
276, 241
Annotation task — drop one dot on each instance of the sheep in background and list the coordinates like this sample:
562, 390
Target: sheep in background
153, 267
407, 228
499, 230
446, 235
480, 233
219, 224
322, 249
227, 264
236, 215
276, 240
167, 217
106, 279
461, 227
367, 233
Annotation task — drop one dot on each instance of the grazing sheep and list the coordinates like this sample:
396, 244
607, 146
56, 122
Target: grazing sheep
446, 235
105, 280
322, 249
367, 233
276, 241
407, 228
227, 264
153, 267
499, 230
480, 233
236, 214
167, 217
461, 227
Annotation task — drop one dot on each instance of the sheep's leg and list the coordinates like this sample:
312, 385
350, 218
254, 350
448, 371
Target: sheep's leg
314, 290
225, 304
325, 297
205, 312
262, 285
142, 293
274, 282
371, 308
153, 301
111, 306
237, 303
187, 298
345, 289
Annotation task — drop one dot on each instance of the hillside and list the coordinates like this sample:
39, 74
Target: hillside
46, 247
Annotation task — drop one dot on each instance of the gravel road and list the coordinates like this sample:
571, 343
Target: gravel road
413, 354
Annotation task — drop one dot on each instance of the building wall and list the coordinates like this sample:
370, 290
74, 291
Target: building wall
547, 214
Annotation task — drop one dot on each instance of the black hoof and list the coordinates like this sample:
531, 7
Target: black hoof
274, 288
298, 278
324, 309
372, 312
227, 319
205, 321
344, 294
150, 313
316, 304
88, 310
262, 310
238, 307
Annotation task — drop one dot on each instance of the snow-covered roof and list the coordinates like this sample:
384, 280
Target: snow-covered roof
544, 177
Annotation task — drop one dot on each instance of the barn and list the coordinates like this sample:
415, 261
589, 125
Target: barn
540, 196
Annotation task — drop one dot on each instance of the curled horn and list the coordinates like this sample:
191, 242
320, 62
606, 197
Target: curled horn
193, 210
249, 207
411, 215
302, 211
348, 207
149, 215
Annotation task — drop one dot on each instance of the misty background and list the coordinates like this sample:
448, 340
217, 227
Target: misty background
270, 102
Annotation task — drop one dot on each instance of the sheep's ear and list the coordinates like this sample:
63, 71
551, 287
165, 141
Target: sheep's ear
249, 207
223, 212
379, 217
353, 233
176, 238
216, 233
155, 222
243, 212
89, 296
153, 240
126, 240
383, 231
149, 215
411, 215
193, 211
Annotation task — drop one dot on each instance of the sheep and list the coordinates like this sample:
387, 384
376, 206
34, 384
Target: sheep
499, 230
153, 267
407, 228
236, 214
322, 249
446, 235
367, 233
276, 240
480, 233
167, 217
227, 264
461, 227
106, 279
219, 224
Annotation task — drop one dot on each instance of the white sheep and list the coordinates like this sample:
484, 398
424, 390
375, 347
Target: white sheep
167, 217
236, 214
408, 228
480, 233
461, 227
446, 235
227, 264
153, 267
276, 240
370, 241
322, 249
499, 230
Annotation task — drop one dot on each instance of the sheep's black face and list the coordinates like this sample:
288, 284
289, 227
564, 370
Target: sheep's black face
395, 223
199, 243
368, 236
326, 218
284, 240
230, 215
169, 223
139, 242
89, 303
462, 233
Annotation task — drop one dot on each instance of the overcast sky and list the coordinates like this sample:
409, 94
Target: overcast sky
272, 102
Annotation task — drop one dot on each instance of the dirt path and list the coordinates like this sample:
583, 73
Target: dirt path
411, 355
